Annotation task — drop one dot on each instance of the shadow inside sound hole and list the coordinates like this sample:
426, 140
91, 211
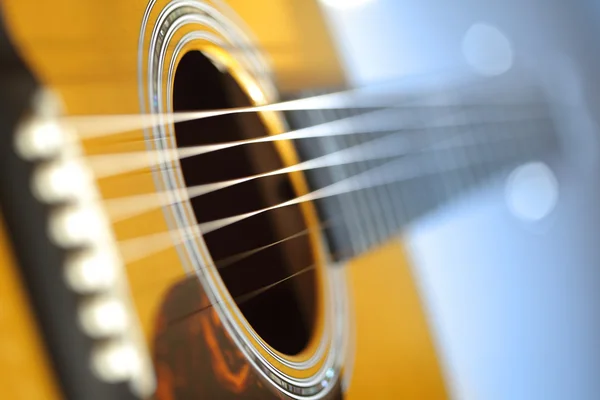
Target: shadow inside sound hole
283, 315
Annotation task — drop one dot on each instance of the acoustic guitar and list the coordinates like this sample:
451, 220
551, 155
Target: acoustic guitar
196, 204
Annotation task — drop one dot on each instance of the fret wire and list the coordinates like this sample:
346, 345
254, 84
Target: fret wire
338, 173
382, 196
462, 181
366, 227
429, 189
445, 190
465, 180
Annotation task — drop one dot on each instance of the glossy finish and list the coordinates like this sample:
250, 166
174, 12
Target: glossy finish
88, 53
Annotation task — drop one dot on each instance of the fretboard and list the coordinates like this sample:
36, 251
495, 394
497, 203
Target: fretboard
417, 155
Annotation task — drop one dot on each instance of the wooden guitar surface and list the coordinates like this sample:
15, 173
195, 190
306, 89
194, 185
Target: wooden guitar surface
87, 52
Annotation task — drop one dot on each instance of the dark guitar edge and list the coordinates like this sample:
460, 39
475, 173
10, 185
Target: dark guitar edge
53, 303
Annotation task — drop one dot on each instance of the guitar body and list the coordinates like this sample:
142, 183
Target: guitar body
26, 370
87, 53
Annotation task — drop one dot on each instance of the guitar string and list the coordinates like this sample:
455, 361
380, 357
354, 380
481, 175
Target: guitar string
378, 176
138, 248
392, 145
233, 259
141, 159
323, 126
144, 246
130, 206
122, 138
241, 299
93, 126
116, 163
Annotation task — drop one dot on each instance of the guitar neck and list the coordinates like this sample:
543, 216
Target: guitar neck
422, 155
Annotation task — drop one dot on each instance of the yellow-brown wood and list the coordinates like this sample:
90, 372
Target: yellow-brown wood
296, 39
25, 372
395, 354
87, 52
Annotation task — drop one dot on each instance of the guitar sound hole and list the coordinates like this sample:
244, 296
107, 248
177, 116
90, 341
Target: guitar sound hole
284, 314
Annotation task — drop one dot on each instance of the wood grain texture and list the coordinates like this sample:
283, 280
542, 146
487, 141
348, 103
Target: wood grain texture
195, 358
395, 353
296, 39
